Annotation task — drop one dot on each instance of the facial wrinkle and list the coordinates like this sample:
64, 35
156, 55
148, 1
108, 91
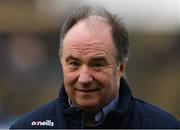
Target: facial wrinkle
87, 49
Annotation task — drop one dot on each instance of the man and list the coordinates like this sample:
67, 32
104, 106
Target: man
93, 53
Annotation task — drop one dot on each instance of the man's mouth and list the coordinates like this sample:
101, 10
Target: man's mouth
86, 90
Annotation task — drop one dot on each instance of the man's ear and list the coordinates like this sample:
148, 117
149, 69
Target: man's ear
61, 60
121, 69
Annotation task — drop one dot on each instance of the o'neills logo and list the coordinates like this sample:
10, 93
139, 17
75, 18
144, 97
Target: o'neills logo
42, 123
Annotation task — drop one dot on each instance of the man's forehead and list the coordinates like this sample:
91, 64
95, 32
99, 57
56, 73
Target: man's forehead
95, 49
97, 21
91, 28
78, 58
85, 38
98, 25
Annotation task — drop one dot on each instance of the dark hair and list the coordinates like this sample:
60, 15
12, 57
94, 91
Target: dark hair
118, 30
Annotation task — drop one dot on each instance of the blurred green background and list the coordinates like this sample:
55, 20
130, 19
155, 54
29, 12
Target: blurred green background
30, 72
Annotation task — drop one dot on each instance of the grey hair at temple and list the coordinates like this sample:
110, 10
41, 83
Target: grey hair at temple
118, 30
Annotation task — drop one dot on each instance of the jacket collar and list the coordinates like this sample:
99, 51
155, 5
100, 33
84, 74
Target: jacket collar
125, 96
120, 116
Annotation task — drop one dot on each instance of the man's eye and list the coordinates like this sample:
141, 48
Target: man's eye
97, 65
73, 63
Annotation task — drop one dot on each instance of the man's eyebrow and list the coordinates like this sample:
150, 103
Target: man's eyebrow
70, 57
99, 58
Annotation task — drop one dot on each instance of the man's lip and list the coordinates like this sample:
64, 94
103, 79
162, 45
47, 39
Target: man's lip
86, 90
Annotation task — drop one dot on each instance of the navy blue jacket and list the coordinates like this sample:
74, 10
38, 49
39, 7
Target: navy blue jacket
130, 113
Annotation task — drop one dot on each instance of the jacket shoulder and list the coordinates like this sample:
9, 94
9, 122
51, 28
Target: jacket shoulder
153, 117
41, 116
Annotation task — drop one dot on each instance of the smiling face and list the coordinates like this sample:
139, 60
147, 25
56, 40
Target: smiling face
91, 74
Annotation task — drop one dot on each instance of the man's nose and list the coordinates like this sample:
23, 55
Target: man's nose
84, 75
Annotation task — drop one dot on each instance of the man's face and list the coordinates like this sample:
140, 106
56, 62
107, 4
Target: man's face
91, 74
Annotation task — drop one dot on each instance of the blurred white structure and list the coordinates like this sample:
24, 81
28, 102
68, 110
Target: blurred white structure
145, 15
47, 15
